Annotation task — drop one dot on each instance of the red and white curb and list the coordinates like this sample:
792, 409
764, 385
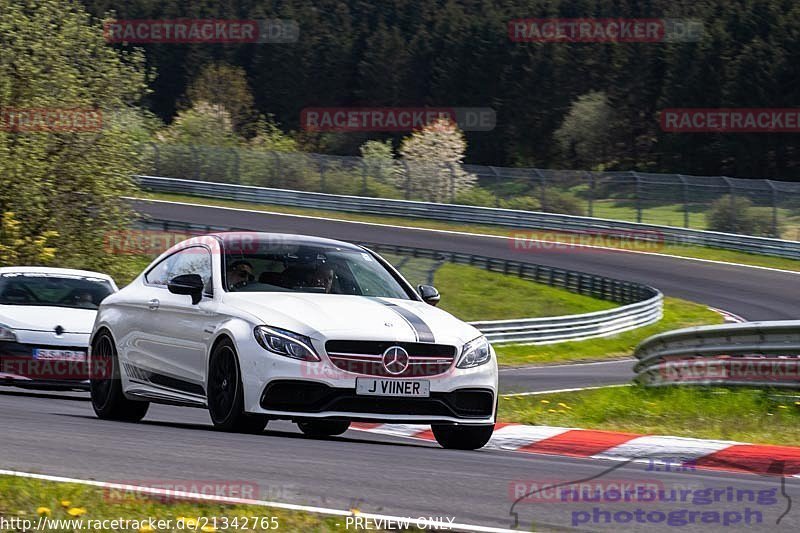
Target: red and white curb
593, 444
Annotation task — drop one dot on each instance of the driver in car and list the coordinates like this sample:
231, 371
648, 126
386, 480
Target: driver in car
239, 274
323, 277
84, 299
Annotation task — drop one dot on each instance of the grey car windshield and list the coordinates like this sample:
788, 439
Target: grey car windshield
296, 267
53, 290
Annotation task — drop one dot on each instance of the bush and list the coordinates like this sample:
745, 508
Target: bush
476, 196
737, 215
554, 201
523, 203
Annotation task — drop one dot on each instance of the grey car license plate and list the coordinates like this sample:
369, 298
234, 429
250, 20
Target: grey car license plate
411, 388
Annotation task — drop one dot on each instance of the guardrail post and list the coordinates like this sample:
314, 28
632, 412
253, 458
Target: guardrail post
156, 158
774, 191
731, 195
322, 166
496, 186
408, 178
276, 170
543, 193
363, 177
452, 182
638, 197
685, 187
591, 194
236, 162
195, 158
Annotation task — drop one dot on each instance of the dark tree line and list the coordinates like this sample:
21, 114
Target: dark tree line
457, 53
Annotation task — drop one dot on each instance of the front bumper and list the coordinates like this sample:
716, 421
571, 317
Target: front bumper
19, 368
302, 399
285, 388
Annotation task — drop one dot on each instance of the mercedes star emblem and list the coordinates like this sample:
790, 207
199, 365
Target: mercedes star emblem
395, 360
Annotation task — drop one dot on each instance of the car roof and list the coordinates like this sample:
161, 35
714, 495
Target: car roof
235, 238
55, 271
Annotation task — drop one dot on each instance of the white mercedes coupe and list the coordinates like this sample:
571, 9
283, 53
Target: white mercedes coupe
257, 327
46, 317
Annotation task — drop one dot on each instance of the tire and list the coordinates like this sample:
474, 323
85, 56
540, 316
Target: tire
225, 393
462, 437
323, 428
108, 400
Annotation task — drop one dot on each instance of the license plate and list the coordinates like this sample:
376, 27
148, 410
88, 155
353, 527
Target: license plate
393, 387
46, 354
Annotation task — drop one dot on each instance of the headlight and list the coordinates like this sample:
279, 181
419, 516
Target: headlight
475, 353
7, 334
284, 342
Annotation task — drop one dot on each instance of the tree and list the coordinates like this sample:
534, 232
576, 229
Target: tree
199, 144
54, 59
433, 158
736, 214
584, 133
271, 138
225, 85
17, 247
204, 124
378, 160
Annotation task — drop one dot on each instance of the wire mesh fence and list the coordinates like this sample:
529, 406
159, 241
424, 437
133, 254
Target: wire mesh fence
745, 206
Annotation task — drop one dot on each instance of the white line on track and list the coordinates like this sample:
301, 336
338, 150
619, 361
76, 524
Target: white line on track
537, 393
421, 523
465, 233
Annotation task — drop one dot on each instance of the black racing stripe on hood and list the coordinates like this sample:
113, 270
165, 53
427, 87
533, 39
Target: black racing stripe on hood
424, 333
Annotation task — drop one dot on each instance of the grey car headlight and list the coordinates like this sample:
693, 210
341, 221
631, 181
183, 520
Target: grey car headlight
7, 334
286, 343
475, 353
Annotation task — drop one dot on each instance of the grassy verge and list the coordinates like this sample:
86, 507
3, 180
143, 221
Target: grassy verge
31, 499
677, 314
474, 294
698, 252
744, 415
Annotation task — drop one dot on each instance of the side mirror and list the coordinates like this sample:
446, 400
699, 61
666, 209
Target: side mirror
191, 284
429, 294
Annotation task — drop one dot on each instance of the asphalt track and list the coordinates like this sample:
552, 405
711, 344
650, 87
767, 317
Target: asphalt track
57, 434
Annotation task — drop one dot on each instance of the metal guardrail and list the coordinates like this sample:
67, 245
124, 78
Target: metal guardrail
641, 305
476, 215
646, 197
748, 354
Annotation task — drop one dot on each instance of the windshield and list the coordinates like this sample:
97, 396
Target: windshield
296, 267
53, 290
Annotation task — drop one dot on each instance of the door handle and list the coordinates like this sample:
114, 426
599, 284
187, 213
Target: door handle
153, 304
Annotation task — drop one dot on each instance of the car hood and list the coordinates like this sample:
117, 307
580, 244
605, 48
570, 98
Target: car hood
46, 318
345, 317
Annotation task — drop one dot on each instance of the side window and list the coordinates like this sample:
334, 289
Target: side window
159, 274
195, 260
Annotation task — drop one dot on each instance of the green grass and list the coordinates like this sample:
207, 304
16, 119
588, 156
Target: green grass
30, 498
698, 252
664, 215
677, 314
745, 415
474, 294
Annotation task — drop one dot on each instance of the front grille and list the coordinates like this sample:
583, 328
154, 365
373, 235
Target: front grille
366, 357
310, 397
